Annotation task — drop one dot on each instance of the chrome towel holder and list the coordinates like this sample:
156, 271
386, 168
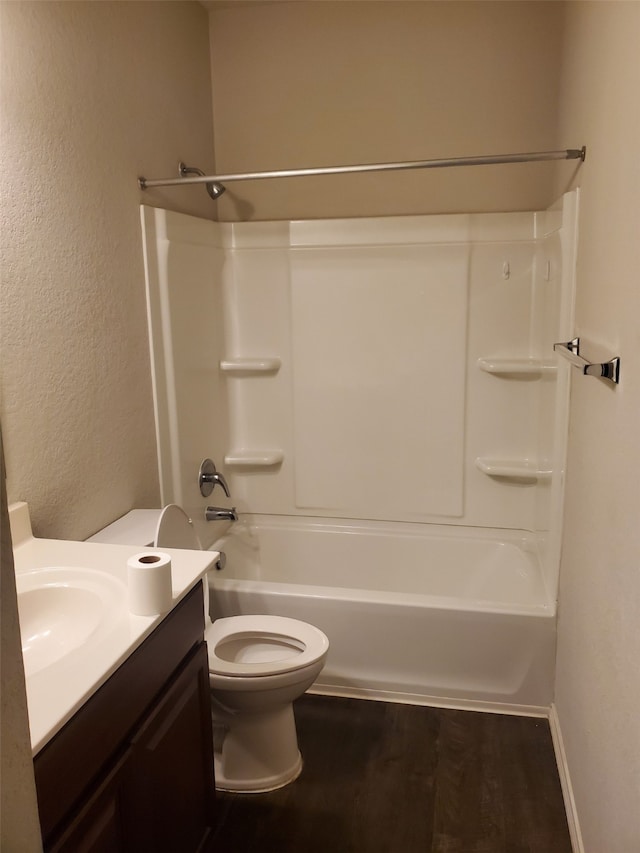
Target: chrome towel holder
609, 370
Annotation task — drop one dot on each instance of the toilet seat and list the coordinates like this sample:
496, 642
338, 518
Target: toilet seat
253, 646
175, 530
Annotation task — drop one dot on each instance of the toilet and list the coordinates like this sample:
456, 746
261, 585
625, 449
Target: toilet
258, 665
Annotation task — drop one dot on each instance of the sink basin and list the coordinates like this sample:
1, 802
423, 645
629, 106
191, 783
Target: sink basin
60, 609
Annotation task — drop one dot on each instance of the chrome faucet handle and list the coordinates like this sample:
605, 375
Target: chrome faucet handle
209, 478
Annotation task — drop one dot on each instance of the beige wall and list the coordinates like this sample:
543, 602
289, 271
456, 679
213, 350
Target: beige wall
598, 675
93, 94
331, 83
19, 825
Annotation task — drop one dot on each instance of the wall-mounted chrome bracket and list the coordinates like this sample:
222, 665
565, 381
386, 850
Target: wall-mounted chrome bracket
609, 370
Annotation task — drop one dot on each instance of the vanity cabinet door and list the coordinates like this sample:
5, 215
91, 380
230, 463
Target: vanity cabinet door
101, 824
171, 779
132, 771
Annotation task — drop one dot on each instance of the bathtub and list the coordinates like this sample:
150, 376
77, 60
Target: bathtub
414, 613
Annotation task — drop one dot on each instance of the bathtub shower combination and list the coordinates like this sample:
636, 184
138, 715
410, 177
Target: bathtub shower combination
383, 398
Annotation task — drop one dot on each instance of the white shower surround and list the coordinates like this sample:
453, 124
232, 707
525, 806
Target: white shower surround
434, 334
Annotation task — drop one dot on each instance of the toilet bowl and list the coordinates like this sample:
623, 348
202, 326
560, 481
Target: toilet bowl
258, 665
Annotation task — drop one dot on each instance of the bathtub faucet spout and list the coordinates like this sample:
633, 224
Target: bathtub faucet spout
218, 513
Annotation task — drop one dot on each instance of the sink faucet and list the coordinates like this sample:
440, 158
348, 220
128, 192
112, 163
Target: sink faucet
219, 513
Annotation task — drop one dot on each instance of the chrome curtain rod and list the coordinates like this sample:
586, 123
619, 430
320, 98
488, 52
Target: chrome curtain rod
565, 154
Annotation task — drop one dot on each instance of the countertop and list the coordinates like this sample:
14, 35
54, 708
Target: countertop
56, 692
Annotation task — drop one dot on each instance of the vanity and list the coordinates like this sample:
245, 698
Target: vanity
120, 719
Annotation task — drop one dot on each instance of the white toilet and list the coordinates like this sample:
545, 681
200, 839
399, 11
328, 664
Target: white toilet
257, 666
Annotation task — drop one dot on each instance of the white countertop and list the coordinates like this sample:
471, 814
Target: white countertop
56, 692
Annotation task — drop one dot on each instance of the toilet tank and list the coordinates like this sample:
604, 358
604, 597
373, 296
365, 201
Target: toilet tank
137, 527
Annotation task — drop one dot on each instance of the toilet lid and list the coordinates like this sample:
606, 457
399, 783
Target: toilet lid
262, 645
175, 530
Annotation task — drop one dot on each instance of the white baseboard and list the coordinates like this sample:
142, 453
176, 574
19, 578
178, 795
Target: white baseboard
341, 691
565, 782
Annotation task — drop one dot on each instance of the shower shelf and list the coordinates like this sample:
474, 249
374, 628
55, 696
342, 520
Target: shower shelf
512, 469
248, 366
517, 366
254, 458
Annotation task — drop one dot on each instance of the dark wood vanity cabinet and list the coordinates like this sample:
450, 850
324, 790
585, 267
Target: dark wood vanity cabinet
133, 769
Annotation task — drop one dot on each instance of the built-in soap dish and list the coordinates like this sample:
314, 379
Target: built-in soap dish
518, 367
250, 366
522, 470
254, 458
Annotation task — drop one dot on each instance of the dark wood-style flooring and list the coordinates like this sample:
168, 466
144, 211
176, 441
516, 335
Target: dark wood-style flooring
387, 778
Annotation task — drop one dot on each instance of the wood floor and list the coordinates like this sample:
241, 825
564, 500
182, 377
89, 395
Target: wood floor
387, 778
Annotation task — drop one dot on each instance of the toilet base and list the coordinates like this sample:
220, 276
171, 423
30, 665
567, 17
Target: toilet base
255, 786
255, 752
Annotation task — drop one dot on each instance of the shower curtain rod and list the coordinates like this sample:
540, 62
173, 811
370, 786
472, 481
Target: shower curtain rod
489, 160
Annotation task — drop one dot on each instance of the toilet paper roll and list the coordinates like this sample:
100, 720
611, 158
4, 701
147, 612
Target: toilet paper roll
149, 582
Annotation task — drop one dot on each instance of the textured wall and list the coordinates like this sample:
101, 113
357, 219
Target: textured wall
598, 677
320, 84
19, 826
93, 94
